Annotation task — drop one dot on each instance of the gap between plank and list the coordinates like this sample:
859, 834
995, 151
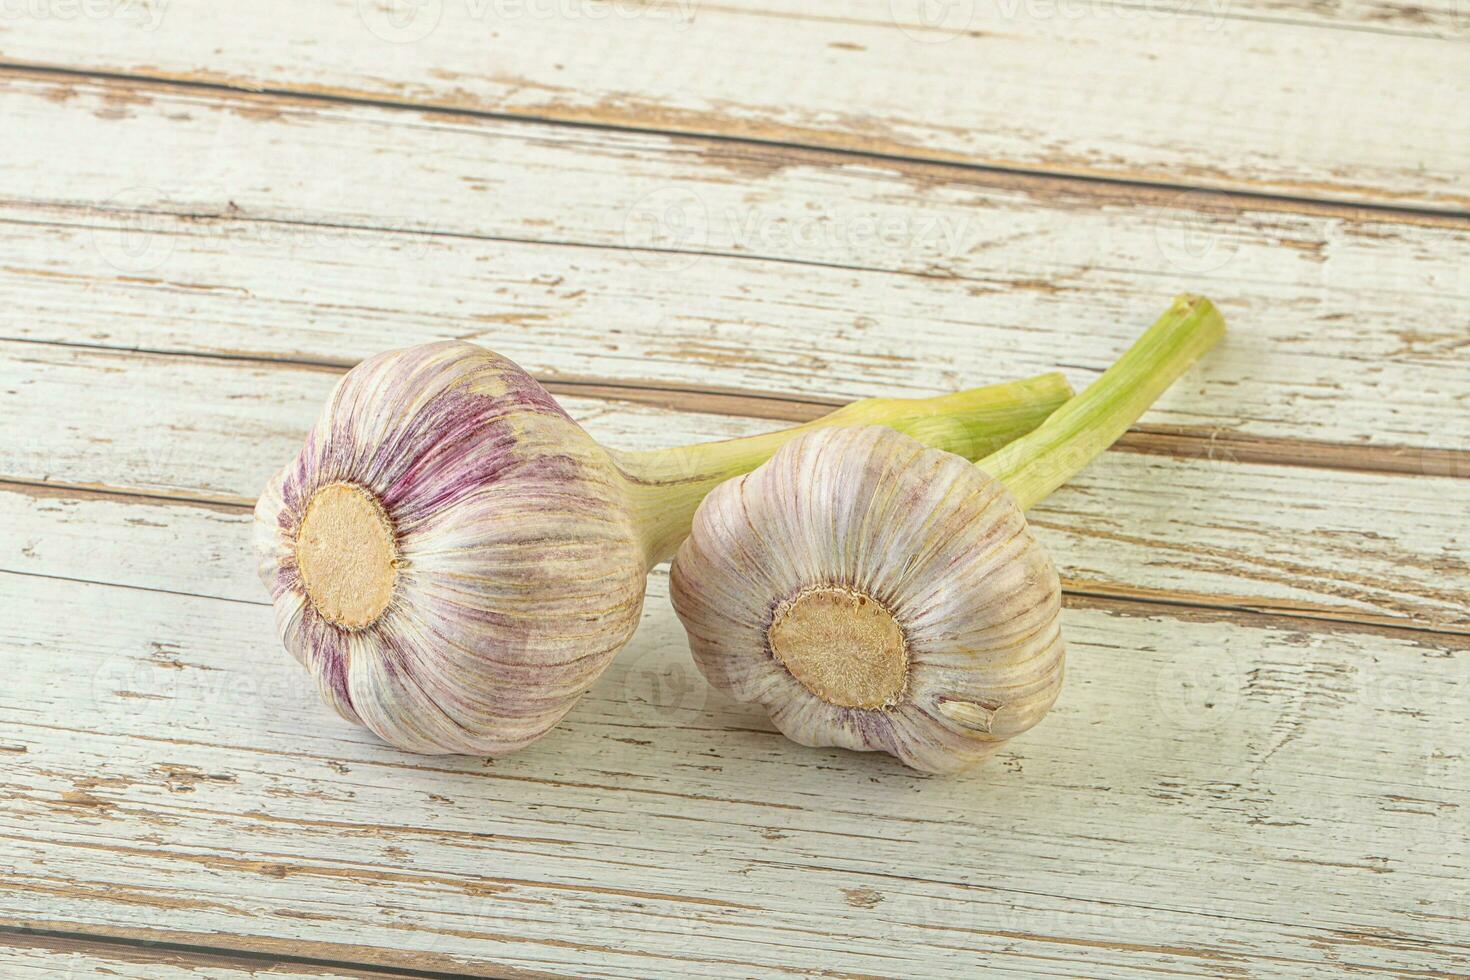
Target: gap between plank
813, 152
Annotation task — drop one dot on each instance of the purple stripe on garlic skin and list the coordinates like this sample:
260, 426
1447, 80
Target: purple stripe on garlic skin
455, 561
519, 572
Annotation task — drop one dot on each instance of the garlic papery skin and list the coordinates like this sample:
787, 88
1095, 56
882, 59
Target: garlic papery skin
455, 561
449, 555
873, 593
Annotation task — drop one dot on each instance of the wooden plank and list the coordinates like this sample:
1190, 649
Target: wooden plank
1196, 529
1435, 18
30, 954
1103, 91
1348, 329
170, 766
1207, 797
597, 315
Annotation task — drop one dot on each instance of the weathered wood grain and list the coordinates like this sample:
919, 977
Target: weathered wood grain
1436, 18
1001, 276
1199, 529
543, 250
1257, 767
1391, 378
29, 954
1096, 89
1348, 329
1198, 778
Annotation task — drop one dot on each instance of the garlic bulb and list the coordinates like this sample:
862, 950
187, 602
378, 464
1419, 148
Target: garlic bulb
900, 604
873, 593
455, 560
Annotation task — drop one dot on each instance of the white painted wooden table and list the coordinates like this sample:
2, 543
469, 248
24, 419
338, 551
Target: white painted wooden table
695, 220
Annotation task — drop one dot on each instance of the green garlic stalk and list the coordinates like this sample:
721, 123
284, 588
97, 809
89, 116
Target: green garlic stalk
665, 486
1036, 464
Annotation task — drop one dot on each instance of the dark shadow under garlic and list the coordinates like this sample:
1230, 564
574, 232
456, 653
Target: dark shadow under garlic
874, 593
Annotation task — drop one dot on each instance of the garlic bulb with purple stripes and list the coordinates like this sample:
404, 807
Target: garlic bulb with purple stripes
873, 593
455, 560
